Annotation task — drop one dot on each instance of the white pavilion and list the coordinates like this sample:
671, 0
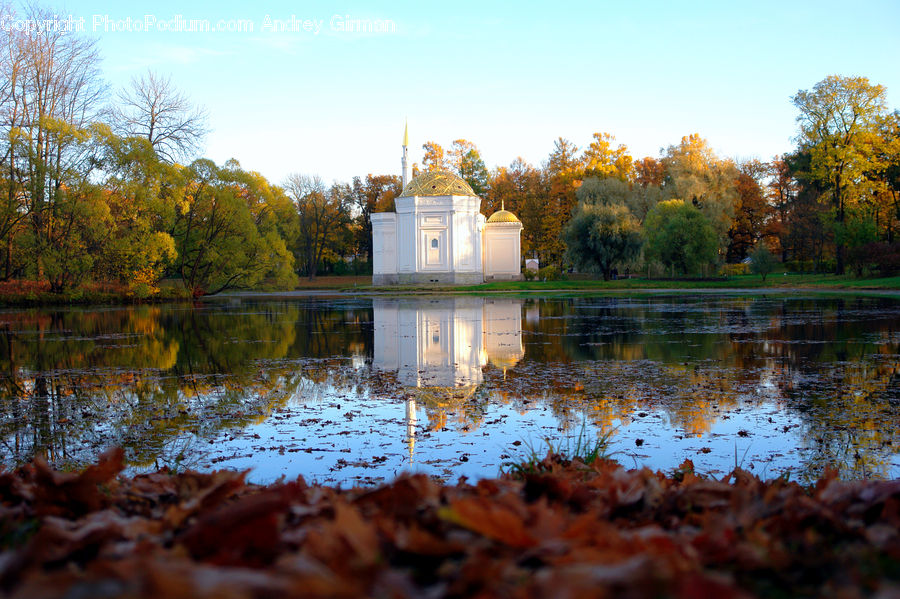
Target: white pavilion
437, 234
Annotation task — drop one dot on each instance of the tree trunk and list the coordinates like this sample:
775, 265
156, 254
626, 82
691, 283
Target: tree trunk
8, 265
839, 243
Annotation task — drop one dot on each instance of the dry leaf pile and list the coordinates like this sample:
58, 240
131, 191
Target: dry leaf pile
564, 529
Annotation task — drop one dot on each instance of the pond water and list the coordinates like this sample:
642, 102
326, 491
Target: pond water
357, 390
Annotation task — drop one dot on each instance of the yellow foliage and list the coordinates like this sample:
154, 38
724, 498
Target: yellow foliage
731, 270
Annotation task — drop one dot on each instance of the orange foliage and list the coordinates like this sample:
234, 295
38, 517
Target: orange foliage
558, 529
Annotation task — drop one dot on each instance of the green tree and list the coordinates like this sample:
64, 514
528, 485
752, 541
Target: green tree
141, 192
220, 245
469, 165
639, 199
679, 236
51, 91
762, 262
600, 236
839, 129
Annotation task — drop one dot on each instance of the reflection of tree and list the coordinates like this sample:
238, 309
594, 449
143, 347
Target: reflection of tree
833, 362
74, 381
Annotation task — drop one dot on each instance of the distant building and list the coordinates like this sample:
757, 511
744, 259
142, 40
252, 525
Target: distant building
437, 234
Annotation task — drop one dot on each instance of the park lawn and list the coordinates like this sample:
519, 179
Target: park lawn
335, 282
773, 281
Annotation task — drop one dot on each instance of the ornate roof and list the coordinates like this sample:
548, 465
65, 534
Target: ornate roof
503, 216
437, 183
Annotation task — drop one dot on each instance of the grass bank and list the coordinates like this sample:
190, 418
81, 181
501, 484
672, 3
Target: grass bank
23, 294
31, 294
820, 282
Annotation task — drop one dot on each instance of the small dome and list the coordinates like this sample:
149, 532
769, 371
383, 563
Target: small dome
437, 183
503, 216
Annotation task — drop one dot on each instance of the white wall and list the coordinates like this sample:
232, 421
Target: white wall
384, 243
502, 250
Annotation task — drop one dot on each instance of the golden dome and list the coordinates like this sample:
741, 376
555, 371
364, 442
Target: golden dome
437, 183
503, 216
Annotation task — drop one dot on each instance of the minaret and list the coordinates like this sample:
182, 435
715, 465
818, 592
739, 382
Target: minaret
411, 427
404, 161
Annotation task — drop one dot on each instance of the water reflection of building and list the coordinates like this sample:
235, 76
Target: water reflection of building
438, 347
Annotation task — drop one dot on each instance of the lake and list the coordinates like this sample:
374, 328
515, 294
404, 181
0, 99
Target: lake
355, 390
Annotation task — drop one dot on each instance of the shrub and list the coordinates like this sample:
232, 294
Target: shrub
883, 257
733, 270
529, 274
549, 273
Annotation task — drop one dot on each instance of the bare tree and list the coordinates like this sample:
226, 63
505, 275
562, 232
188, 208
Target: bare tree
155, 109
50, 91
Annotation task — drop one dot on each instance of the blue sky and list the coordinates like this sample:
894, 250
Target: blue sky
510, 77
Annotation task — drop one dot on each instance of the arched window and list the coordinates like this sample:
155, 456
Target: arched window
434, 243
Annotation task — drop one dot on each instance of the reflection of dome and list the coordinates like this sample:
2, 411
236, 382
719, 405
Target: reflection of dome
443, 397
503, 216
437, 183
508, 360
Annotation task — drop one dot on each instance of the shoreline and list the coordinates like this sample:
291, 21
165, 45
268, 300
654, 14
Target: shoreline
298, 293
599, 288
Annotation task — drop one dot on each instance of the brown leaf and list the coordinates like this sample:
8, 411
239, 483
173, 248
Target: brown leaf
496, 522
67, 493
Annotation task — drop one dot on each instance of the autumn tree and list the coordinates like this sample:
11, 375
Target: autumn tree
324, 219
51, 93
458, 150
434, 158
839, 128
141, 192
374, 194
694, 173
808, 238
752, 211
601, 160
648, 171
13, 215
153, 108
520, 188
564, 171
885, 175
782, 194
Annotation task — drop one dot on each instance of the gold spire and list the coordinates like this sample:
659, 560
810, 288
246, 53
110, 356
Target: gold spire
406, 134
